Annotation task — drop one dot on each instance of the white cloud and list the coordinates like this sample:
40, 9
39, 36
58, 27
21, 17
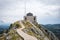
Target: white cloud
15, 10
51, 2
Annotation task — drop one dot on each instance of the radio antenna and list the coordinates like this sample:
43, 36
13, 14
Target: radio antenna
25, 6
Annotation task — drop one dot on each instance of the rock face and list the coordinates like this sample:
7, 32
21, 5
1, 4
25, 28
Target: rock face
39, 32
34, 31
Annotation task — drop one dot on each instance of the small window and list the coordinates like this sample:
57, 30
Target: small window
25, 18
34, 18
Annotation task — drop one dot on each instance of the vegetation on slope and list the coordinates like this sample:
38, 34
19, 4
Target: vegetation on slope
29, 29
15, 25
11, 33
2, 37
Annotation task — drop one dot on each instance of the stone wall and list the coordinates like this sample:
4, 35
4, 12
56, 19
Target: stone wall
30, 18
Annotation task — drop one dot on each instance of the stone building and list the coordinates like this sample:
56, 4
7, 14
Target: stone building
30, 17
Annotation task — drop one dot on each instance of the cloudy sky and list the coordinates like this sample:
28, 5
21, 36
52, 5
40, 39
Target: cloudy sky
47, 11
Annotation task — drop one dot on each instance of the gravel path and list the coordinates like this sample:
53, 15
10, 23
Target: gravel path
24, 35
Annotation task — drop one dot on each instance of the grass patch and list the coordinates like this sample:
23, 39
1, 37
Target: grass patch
27, 24
14, 35
2, 37
16, 25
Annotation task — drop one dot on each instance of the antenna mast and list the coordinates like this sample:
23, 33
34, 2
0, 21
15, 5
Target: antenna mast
25, 6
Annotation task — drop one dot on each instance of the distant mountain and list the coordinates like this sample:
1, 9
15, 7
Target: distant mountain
55, 28
4, 26
2, 23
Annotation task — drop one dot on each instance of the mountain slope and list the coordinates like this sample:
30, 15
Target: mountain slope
30, 31
55, 28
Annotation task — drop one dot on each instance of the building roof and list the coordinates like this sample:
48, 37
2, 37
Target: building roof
29, 14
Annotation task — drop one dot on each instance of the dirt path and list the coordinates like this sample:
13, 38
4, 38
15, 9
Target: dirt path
24, 35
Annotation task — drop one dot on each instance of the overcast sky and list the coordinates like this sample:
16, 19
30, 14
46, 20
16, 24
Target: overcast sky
47, 11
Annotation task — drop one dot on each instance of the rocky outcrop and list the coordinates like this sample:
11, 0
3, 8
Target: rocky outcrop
34, 31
